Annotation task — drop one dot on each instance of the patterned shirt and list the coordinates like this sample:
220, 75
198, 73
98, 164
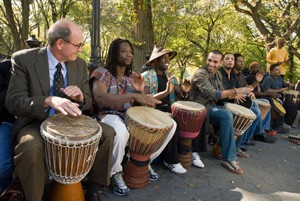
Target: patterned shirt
113, 87
150, 79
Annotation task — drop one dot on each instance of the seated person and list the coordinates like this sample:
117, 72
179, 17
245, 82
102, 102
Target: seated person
6, 123
274, 83
160, 82
258, 132
115, 88
207, 89
255, 70
230, 81
33, 95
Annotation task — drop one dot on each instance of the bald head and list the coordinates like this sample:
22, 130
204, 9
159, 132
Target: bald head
61, 29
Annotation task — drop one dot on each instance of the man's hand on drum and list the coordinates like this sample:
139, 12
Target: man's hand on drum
239, 98
251, 95
274, 94
137, 82
283, 89
63, 105
147, 99
74, 93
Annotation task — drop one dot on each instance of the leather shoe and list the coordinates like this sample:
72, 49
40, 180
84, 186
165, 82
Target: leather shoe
92, 197
243, 149
242, 154
233, 166
264, 138
13, 192
250, 143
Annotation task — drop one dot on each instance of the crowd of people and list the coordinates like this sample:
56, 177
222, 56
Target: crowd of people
53, 79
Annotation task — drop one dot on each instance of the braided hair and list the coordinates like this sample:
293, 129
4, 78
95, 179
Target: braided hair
112, 57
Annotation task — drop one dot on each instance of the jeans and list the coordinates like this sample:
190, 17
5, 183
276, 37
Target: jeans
258, 126
250, 131
266, 122
223, 118
6, 159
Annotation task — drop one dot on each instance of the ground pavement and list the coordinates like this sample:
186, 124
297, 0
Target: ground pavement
271, 174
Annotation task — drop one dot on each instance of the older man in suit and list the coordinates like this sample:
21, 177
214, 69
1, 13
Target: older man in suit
32, 97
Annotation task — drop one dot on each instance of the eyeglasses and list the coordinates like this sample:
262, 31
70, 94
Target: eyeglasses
75, 45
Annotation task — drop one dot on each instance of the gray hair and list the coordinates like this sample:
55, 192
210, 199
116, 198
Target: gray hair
60, 29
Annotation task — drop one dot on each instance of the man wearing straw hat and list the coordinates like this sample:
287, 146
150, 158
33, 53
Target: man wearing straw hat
164, 85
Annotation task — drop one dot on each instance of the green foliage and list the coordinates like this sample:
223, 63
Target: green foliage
190, 27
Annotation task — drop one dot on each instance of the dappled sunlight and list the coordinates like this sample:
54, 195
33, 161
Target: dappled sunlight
249, 196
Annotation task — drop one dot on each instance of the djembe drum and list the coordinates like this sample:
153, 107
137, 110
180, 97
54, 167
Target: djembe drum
242, 117
264, 107
291, 103
278, 110
71, 144
242, 120
189, 117
148, 129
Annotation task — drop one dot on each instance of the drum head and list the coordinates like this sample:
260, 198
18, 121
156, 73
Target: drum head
262, 103
149, 117
240, 110
71, 128
188, 106
291, 92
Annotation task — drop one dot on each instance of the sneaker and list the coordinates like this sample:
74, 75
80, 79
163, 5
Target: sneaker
285, 126
283, 129
196, 160
177, 168
233, 166
153, 176
242, 154
118, 185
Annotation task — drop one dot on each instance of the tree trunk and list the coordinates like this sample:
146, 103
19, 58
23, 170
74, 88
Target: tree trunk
143, 33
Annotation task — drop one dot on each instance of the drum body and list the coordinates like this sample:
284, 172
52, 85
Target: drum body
264, 107
242, 117
278, 110
71, 144
148, 128
189, 117
291, 103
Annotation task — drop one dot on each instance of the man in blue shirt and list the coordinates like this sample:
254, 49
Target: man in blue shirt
274, 83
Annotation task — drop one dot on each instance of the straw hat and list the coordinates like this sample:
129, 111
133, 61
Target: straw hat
158, 52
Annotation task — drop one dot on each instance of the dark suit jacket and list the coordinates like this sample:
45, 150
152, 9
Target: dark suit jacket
30, 85
5, 67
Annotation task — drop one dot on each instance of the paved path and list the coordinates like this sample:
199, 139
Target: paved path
271, 174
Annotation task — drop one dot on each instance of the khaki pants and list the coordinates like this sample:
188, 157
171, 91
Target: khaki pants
30, 164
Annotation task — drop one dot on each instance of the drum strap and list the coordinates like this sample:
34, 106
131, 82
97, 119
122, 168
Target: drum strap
139, 163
